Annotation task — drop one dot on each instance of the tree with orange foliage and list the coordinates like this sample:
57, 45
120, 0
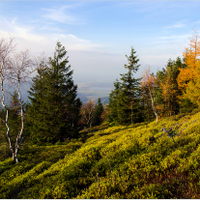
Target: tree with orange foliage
188, 79
193, 91
148, 82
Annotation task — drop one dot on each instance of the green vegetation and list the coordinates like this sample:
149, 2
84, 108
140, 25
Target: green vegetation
128, 155
113, 162
54, 109
124, 100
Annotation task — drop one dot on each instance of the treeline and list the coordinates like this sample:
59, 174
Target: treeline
174, 89
55, 113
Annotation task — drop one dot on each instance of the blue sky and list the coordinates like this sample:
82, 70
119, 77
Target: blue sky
98, 34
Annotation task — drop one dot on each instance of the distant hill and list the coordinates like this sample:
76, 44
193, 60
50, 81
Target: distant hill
140, 161
105, 99
93, 95
85, 99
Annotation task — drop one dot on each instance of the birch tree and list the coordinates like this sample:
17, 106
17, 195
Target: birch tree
6, 50
22, 66
148, 81
87, 113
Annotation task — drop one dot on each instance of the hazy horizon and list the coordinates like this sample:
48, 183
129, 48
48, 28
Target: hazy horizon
98, 34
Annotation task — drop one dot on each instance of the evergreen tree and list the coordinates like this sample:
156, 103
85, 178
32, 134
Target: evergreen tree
124, 99
169, 87
113, 103
54, 110
147, 110
98, 110
169, 95
14, 118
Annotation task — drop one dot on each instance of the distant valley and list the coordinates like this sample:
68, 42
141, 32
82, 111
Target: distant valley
86, 91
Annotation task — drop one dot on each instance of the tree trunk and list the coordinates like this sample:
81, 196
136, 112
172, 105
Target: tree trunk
19, 138
153, 106
132, 112
6, 120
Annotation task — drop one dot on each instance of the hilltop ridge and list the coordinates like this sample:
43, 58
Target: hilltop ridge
111, 162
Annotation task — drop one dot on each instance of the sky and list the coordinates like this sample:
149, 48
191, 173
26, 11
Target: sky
98, 34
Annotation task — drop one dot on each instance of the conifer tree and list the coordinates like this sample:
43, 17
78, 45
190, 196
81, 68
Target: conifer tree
169, 87
55, 108
124, 100
113, 103
168, 92
98, 110
14, 119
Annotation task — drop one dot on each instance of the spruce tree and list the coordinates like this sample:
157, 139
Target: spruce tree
54, 110
113, 103
14, 116
124, 100
98, 110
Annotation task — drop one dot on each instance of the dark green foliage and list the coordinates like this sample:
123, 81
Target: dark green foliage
124, 101
113, 103
172, 70
55, 107
98, 110
187, 106
14, 119
146, 103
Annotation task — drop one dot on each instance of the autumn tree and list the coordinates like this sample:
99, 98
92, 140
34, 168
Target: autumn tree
87, 113
191, 61
105, 112
188, 79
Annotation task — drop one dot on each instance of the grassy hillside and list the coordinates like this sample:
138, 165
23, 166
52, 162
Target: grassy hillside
116, 162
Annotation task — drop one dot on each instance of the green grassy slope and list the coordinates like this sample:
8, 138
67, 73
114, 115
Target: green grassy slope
117, 162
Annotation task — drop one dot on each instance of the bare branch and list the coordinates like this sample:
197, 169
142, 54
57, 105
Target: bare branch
6, 48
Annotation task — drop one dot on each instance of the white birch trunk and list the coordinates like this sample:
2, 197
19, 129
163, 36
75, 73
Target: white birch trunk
153, 106
6, 120
19, 138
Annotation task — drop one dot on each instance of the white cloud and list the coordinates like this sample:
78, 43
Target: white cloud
171, 37
178, 25
59, 15
26, 37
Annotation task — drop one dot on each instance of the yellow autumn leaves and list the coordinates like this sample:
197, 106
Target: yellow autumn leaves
189, 77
